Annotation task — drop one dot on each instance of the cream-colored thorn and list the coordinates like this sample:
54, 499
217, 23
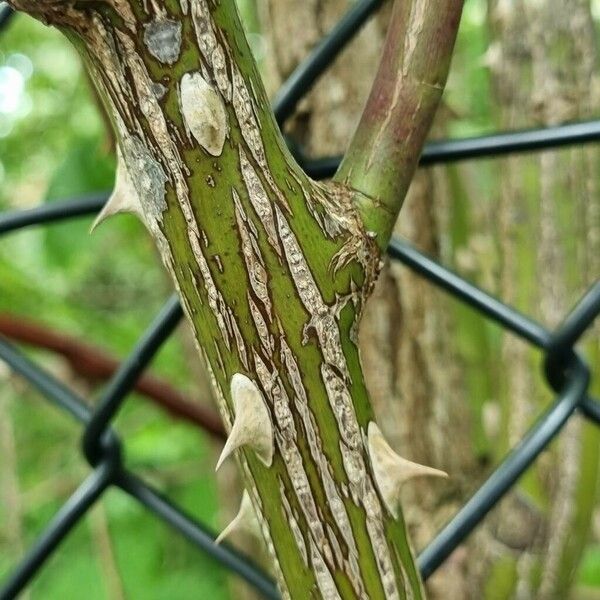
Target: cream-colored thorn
252, 425
124, 197
245, 520
391, 470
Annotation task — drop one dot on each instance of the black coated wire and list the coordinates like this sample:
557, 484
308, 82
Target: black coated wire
591, 409
68, 401
565, 370
52, 212
577, 322
503, 314
50, 387
485, 146
320, 58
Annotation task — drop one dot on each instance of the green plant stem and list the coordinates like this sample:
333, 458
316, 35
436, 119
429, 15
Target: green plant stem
272, 268
386, 146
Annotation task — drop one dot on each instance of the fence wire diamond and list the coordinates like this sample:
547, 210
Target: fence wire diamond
566, 372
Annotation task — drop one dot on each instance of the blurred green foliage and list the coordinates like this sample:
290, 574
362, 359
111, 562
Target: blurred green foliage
105, 289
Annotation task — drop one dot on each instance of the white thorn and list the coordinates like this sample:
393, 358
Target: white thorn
123, 199
245, 520
252, 423
391, 470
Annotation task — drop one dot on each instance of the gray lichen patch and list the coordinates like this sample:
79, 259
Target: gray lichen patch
159, 90
204, 113
163, 40
147, 176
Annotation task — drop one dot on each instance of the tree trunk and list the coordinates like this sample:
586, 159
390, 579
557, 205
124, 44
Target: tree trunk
544, 65
272, 268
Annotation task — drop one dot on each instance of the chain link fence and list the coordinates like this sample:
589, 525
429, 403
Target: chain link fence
566, 371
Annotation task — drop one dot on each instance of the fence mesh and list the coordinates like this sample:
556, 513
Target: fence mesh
566, 371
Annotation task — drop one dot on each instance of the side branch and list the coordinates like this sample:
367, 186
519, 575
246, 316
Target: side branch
385, 149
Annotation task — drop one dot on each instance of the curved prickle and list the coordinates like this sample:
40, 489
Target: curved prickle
245, 520
252, 426
391, 470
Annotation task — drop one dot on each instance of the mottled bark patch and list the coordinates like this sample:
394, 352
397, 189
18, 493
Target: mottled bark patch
203, 112
163, 40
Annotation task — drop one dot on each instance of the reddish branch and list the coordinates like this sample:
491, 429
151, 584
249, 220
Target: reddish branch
383, 154
96, 365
